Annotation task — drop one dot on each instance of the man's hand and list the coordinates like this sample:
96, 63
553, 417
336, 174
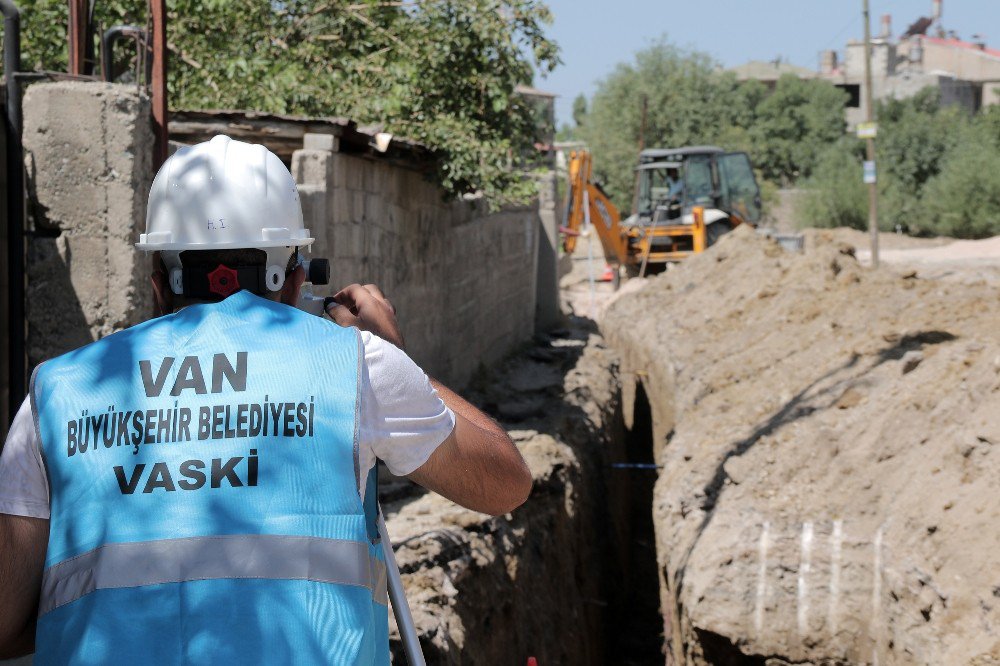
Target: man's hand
367, 308
477, 466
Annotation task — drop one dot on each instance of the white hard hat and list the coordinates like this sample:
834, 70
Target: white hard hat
224, 194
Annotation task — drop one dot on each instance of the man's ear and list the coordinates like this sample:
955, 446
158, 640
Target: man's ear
163, 296
293, 283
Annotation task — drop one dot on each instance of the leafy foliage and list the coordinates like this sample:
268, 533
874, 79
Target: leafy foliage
687, 102
580, 110
691, 101
915, 135
441, 72
792, 125
937, 172
963, 200
835, 194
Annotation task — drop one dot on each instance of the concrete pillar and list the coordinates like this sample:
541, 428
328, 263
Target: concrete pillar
88, 149
312, 169
5, 415
547, 313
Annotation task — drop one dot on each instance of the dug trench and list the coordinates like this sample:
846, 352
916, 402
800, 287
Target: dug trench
568, 578
769, 458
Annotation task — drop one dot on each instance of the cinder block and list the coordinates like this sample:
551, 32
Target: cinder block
314, 215
311, 167
325, 142
342, 209
358, 211
353, 172
375, 210
340, 165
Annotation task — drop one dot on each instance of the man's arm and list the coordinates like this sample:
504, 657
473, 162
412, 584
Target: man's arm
477, 466
23, 541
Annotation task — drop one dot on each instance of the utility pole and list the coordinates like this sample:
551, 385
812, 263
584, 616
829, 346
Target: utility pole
159, 84
642, 145
870, 166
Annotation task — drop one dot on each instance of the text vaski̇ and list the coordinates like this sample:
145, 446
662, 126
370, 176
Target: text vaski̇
115, 428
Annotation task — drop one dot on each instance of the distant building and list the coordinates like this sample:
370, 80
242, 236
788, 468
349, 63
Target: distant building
768, 73
966, 73
544, 109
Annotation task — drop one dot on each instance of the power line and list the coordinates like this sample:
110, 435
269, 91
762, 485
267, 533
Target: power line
840, 33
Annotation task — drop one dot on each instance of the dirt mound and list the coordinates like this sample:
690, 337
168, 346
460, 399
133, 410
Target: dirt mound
830, 442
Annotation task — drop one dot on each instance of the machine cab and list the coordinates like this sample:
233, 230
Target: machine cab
672, 181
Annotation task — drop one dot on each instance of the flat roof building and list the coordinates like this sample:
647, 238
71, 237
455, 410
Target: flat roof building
967, 73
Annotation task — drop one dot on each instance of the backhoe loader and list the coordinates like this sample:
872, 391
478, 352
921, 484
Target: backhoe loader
687, 199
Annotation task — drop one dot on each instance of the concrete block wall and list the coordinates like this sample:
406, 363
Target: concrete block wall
88, 151
547, 311
463, 279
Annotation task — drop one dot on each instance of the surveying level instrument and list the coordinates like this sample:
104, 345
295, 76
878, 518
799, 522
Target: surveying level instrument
317, 273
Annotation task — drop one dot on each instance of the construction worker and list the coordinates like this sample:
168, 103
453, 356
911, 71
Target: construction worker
675, 186
198, 488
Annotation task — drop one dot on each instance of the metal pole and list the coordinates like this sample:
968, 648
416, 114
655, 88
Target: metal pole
77, 33
17, 369
642, 145
397, 596
589, 229
870, 115
159, 37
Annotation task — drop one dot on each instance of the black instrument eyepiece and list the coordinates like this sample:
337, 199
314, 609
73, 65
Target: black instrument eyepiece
318, 271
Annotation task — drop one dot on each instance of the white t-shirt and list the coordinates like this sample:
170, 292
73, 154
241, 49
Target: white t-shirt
402, 422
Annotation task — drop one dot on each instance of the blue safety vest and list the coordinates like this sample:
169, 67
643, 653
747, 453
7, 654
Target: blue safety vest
203, 471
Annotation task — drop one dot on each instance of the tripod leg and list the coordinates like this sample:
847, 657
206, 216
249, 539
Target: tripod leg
404, 621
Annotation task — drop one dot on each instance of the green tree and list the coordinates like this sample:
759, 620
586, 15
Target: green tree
835, 195
441, 72
915, 136
580, 110
688, 102
963, 198
691, 101
937, 172
792, 125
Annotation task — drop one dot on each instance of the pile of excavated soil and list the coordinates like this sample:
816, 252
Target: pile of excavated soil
830, 443
968, 261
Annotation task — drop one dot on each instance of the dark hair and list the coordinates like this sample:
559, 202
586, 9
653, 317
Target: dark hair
230, 258
203, 261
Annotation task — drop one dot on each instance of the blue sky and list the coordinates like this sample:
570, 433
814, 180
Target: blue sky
595, 35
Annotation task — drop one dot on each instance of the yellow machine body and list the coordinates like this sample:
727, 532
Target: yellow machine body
630, 246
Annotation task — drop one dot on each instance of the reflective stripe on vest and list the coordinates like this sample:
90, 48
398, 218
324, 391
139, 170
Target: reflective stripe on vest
203, 558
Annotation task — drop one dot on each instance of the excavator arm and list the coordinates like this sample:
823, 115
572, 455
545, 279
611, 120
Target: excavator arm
587, 204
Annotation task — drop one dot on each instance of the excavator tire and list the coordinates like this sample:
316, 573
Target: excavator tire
715, 231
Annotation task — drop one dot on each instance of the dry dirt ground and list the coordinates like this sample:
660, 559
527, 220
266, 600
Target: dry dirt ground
829, 437
968, 261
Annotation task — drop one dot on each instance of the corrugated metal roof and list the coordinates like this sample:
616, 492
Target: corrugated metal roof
283, 134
